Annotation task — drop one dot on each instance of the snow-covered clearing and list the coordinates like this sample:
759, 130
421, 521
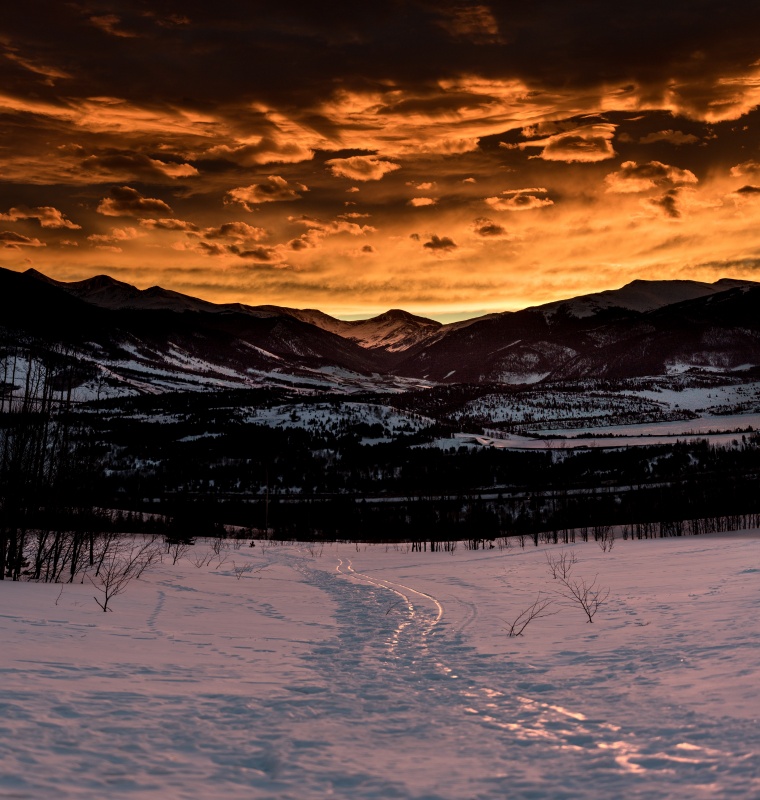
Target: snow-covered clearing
374, 672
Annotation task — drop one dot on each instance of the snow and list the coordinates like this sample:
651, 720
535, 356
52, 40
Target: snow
329, 416
356, 671
615, 442
701, 425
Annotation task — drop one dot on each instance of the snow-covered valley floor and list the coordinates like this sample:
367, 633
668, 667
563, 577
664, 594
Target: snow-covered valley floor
374, 672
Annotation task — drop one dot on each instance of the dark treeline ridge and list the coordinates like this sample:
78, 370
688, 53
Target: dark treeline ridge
192, 463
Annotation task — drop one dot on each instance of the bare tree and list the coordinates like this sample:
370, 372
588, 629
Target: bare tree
560, 564
540, 608
588, 595
122, 563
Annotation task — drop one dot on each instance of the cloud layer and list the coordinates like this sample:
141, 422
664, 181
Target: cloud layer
315, 154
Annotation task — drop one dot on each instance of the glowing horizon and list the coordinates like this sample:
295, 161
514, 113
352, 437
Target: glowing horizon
452, 159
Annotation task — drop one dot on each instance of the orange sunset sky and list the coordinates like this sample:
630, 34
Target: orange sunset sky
449, 158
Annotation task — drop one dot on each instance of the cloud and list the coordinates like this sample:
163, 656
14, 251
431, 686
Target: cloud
109, 23
588, 143
170, 225
125, 165
320, 229
474, 23
748, 190
261, 254
667, 203
424, 186
333, 227
51, 73
633, 177
488, 228
238, 231
670, 136
751, 167
440, 244
13, 240
519, 200
361, 168
275, 190
128, 202
266, 151
115, 236
47, 216
419, 202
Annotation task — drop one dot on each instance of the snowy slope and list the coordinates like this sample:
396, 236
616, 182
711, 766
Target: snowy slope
373, 672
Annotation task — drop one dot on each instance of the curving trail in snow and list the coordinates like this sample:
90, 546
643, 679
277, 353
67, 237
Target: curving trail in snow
385, 674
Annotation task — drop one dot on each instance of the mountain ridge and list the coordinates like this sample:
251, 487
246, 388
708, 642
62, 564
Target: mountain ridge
162, 339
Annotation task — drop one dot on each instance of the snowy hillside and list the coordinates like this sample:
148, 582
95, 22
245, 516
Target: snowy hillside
372, 672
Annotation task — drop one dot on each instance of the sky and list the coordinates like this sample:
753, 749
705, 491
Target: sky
449, 158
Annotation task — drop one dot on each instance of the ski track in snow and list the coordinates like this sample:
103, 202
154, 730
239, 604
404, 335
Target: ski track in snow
389, 698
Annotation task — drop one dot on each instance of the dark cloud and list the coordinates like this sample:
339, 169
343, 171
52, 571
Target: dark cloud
440, 243
633, 177
667, 203
236, 230
13, 240
262, 254
170, 225
748, 190
128, 202
488, 228
670, 136
124, 165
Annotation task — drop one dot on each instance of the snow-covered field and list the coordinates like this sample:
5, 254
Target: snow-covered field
373, 672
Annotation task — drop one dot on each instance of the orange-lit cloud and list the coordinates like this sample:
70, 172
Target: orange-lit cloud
633, 177
276, 189
519, 200
371, 153
47, 216
361, 168
588, 143
128, 202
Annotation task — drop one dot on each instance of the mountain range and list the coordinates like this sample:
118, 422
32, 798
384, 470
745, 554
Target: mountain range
130, 340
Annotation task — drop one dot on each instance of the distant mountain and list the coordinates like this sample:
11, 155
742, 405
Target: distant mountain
640, 295
128, 339
583, 337
393, 331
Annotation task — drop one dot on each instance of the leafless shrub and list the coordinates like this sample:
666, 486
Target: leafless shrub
539, 608
122, 563
245, 569
588, 595
315, 549
560, 564
218, 546
177, 548
604, 535
202, 560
